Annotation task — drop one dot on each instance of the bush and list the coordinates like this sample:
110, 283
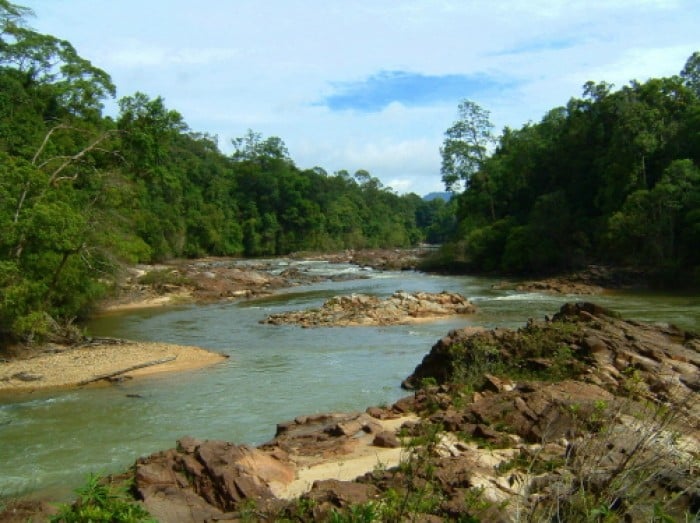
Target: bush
99, 502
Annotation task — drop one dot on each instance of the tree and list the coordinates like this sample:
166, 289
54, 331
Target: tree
56, 181
466, 145
648, 227
465, 150
252, 147
691, 73
77, 85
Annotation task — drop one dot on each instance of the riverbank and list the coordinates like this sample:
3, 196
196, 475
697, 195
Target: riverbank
57, 366
553, 420
152, 286
63, 365
225, 279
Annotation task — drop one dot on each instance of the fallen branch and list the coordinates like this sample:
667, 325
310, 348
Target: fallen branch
128, 369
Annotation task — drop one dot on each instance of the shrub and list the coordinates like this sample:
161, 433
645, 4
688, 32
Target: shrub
98, 502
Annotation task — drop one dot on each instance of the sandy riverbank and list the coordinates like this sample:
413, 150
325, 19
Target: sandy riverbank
72, 367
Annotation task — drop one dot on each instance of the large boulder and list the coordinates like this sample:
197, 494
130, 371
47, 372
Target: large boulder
205, 480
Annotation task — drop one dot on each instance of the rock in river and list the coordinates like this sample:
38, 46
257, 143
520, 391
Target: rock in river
361, 309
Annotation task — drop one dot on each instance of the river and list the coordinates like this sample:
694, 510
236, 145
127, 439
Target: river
50, 441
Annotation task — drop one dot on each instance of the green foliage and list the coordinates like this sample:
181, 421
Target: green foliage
80, 194
466, 145
512, 357
359, 513
611, 177
98, 502
653, 226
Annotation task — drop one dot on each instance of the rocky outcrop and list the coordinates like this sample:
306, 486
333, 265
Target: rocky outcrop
208, 280
213, 279
619, 426
202, 481
381, 259
361, 310
205, 480
584, 341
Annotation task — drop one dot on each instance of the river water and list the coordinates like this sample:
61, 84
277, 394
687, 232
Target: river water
49, 442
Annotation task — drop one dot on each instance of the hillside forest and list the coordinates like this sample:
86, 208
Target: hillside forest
82, 193
610, 177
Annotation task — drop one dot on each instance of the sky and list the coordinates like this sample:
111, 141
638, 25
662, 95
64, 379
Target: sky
369, 84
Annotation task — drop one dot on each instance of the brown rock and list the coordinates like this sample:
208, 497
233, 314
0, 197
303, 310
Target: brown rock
345, 428
496, 384
386, 439
210, 477
380, 413
341, 493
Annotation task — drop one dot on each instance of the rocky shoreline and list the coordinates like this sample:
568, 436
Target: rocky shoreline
216, 279
594, 279
558, 420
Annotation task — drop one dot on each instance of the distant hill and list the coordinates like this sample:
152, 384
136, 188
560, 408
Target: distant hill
447, 196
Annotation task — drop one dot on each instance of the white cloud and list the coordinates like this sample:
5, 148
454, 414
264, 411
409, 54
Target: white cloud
641, 64
139, 54
228, 66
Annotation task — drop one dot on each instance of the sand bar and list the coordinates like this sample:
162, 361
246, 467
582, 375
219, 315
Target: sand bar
73, 367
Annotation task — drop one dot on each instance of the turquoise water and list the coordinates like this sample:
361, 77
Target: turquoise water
49, 442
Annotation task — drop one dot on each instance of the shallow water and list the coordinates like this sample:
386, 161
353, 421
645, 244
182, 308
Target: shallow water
49, 442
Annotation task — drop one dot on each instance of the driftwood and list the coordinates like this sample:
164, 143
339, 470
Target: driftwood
128, 369
98, 341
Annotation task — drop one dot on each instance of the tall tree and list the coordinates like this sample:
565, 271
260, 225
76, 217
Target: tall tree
691, 73
465, 150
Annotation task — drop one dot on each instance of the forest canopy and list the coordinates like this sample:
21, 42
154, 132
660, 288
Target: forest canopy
612, 177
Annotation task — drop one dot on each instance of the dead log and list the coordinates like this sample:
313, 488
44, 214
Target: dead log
128, 369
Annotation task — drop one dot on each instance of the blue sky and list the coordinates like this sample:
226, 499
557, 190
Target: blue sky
369, 84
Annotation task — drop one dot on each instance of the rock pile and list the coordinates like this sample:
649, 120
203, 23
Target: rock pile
362, 310
620, 426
